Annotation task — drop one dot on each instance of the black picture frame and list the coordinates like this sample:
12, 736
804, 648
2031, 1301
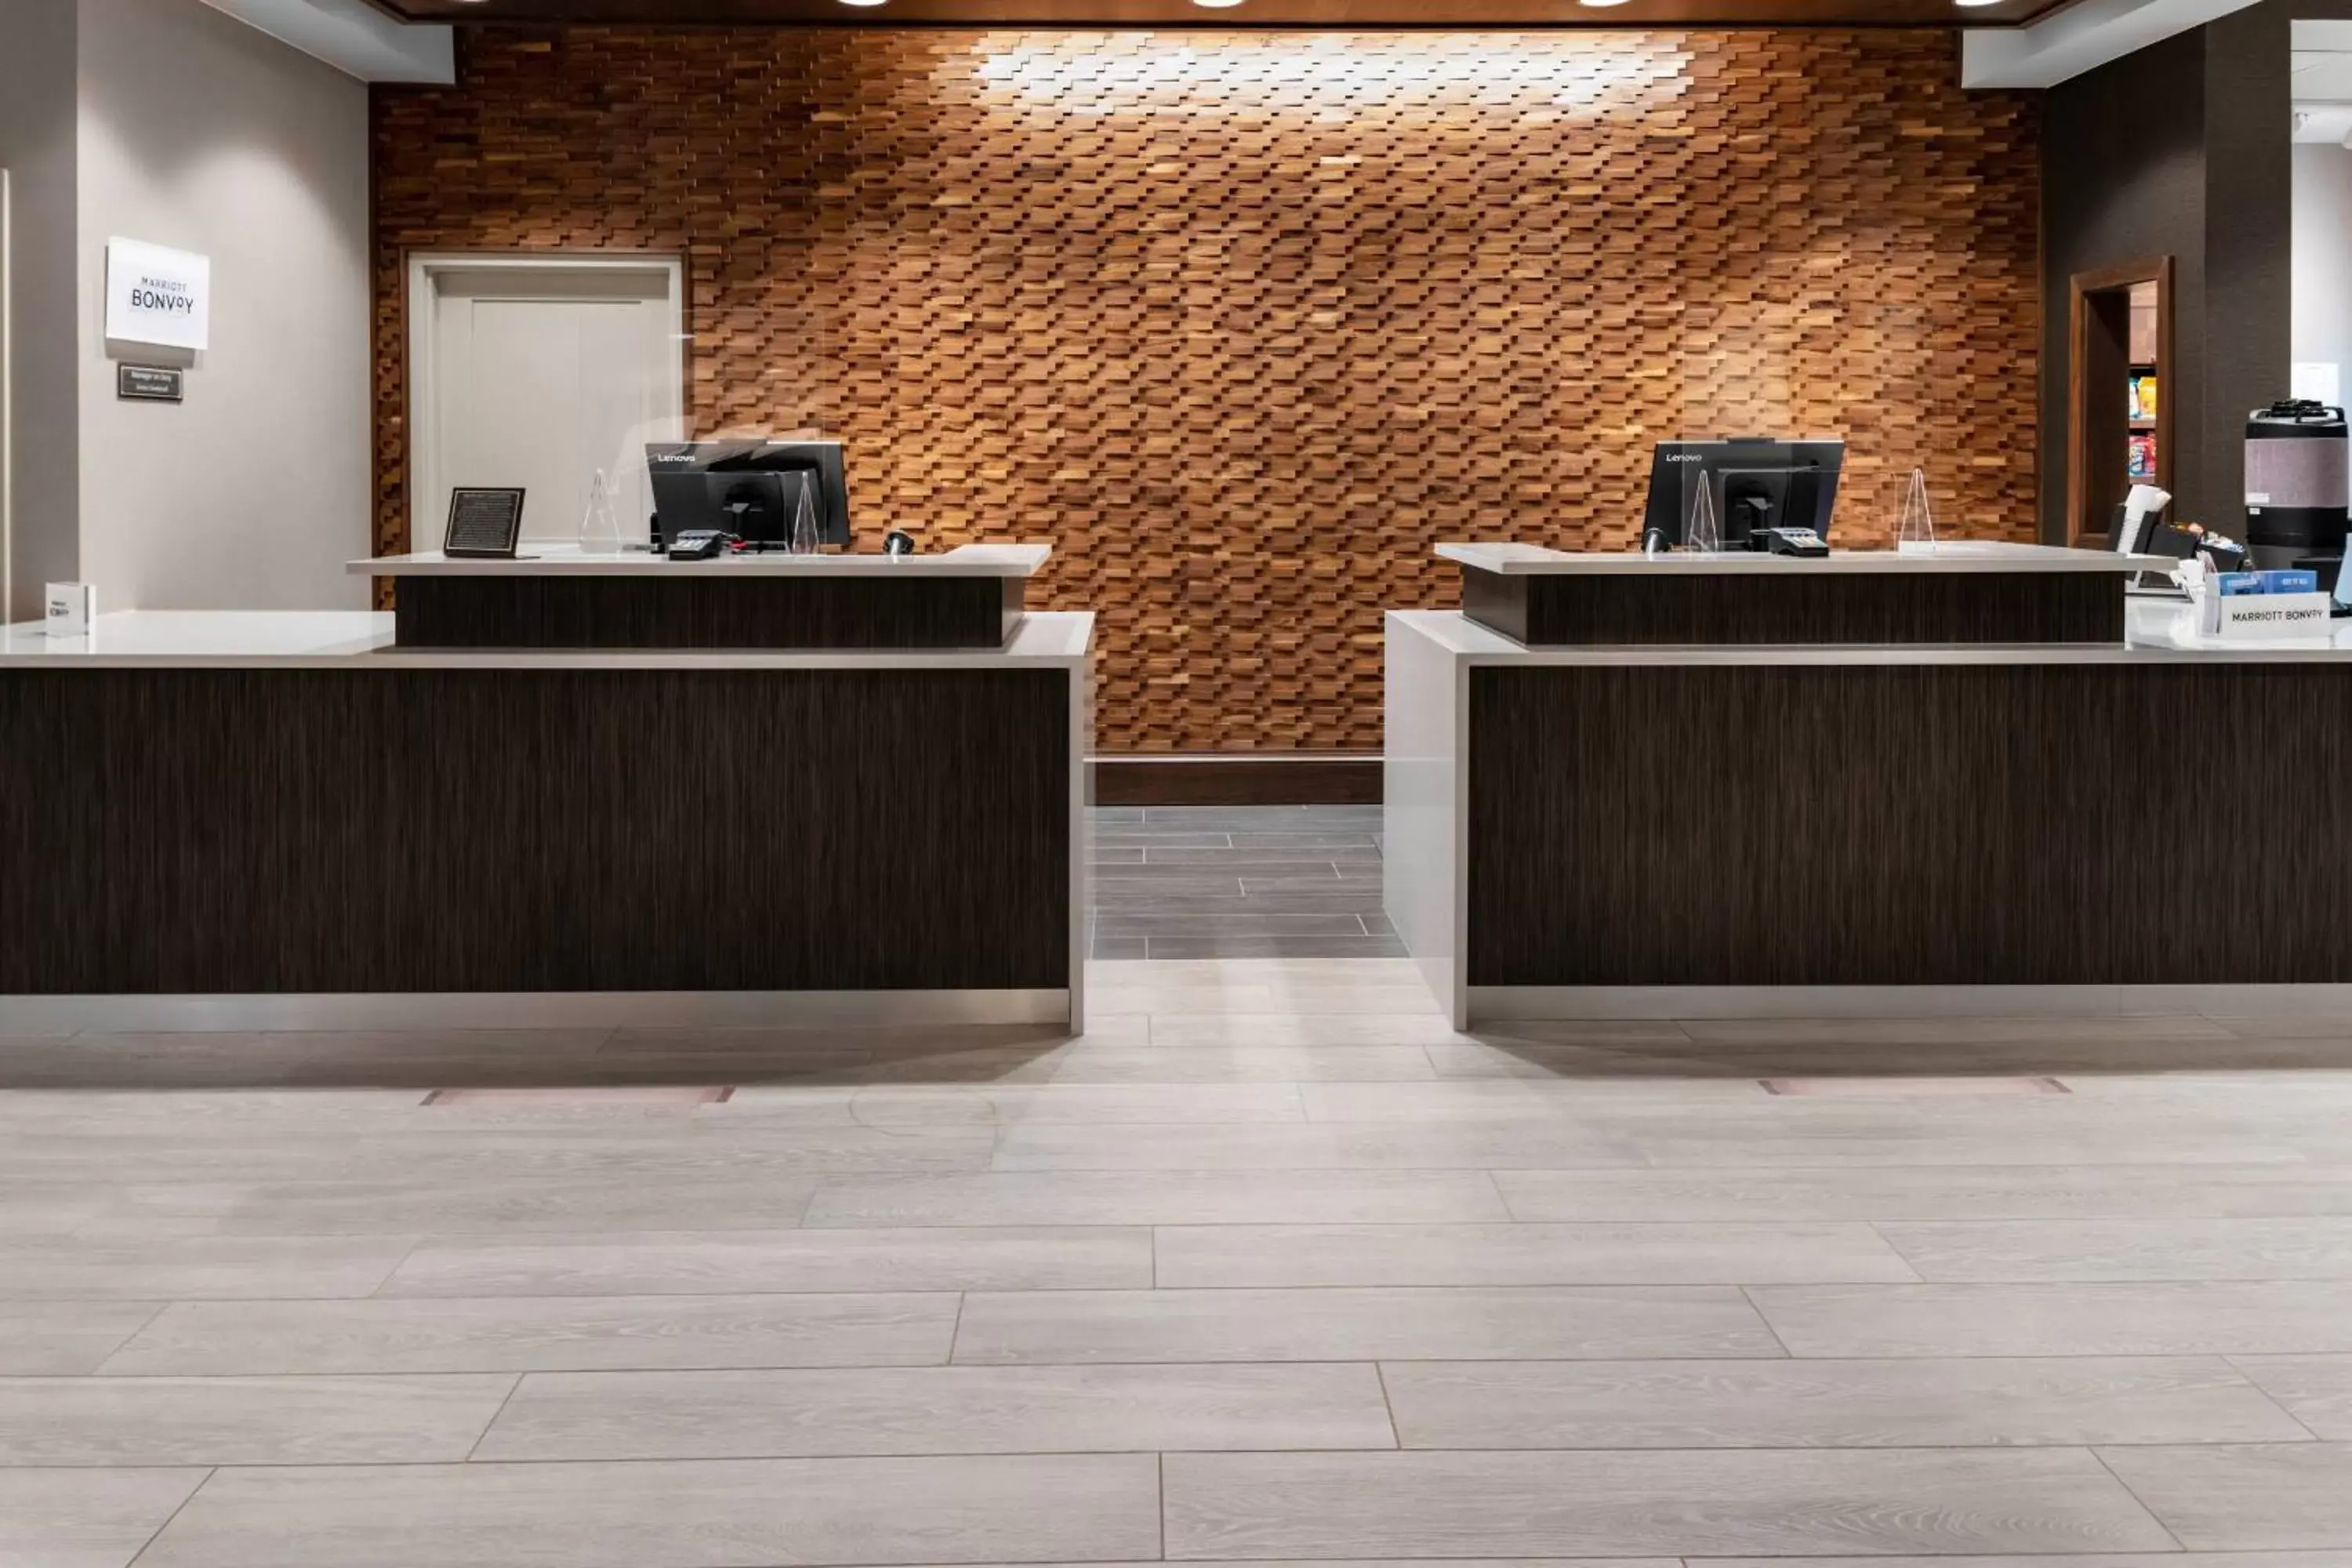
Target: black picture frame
484, 523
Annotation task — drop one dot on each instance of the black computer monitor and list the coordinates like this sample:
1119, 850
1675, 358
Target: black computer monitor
1755, 483
749, 489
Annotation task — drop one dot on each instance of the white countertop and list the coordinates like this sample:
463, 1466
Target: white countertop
363, 640
2156, 631
1959, 555
565, 560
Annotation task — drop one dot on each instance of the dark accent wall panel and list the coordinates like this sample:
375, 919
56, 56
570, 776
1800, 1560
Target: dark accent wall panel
1246, 322
233, 831
1687, 608
1953, 825
698, 610
2121, 185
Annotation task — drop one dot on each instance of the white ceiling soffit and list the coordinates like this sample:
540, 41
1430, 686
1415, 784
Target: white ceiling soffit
2069, 42
352, 36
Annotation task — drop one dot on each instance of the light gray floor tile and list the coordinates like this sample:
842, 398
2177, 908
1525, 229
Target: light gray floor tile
1309, 1255
1264, 818
1246, 920
725, 1262
1583, 1065
210, 1267
2255, 1497
610, 1200
1246, 1064
1141, 1197
919, 1105
2315, 1389
1363, 880
548, 1333
1828, 1403
86, 1519
1272, 860
1941, 1138
1937, 1031
1180, 947
1143, 834
1310, 1146
791, 1513
33, 1209
2121, 1249
940, 1410
2287, 1026
2225, 1318
1264, 1030
1110, 889
2054, 1559
136, 1421
1317, 897
1476, 1099
1192, 864
50, 1338
1525, 1323
1928, 1193
1691, 1504
1269, 838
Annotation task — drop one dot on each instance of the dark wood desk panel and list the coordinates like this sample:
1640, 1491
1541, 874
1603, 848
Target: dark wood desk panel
705, 607
1755, 607
2143, 822
331, 830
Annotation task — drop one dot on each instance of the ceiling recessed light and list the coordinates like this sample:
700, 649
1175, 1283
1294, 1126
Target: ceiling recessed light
1216, 4
1600, 5
1972, 5
861, 2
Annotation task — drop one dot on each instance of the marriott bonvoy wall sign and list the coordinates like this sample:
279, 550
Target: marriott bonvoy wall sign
155, 295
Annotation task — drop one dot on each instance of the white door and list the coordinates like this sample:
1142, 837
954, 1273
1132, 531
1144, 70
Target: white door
541, 374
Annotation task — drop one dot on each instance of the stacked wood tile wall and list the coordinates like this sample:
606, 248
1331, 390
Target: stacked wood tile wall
1245, 323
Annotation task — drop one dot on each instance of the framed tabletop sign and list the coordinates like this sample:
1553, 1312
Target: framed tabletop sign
484, 523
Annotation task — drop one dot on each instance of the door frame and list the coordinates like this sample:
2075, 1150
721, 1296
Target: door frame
2109, 280
424, 267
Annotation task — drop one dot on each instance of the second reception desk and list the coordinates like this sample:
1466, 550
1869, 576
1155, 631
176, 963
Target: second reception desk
1673, 829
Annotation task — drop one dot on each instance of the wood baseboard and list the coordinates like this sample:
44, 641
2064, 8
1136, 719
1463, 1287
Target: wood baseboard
1349, 779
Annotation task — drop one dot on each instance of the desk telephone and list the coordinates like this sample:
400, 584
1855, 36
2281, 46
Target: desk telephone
1788, 541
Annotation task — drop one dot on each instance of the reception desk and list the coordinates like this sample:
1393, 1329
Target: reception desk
305, 820
1765, 827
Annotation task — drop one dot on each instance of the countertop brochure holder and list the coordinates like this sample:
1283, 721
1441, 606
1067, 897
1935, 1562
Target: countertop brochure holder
484, 523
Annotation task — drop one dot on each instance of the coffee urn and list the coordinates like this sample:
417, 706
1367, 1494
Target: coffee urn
2298, 479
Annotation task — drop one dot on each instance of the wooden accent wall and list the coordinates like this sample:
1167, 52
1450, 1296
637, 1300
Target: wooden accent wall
1245, 323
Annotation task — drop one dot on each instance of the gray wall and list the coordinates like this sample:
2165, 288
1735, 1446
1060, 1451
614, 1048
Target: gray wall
197, 131
36, 146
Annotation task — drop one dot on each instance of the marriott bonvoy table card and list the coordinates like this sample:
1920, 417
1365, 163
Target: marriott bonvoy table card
2257, 606
157, 295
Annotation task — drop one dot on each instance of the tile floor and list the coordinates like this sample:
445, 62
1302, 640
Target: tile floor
1271, 1266
1195, 881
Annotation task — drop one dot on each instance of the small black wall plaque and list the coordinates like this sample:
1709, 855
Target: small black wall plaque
484, 523
150, 382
